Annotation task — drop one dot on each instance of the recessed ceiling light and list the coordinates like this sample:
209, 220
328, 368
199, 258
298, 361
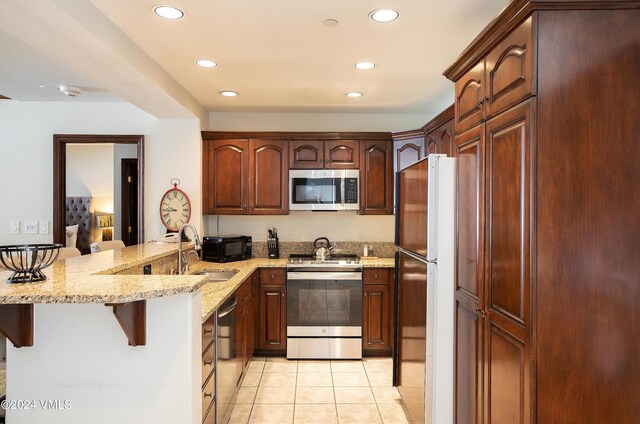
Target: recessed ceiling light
227, 93
384, 15
168, 12
365, 65
330, 22
205, 63
354, 94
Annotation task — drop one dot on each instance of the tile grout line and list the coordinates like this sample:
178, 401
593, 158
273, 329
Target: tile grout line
375, 401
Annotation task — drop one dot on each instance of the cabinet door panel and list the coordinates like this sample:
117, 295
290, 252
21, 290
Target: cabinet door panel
341, 154
273, 318
508, 191
446, 139
510, 70
469, 150
408, 152
468, 360
376, 317
376, 176
269, 177
468, 102
225, 184
506, 377
306, 154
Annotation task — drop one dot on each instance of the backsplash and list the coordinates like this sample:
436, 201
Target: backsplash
380, 249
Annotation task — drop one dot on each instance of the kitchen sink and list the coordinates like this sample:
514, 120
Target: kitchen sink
215, 276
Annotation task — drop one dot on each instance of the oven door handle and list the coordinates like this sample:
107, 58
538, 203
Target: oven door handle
355, 276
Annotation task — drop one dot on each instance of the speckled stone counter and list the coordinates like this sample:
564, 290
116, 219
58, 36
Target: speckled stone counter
214, 294
88, 279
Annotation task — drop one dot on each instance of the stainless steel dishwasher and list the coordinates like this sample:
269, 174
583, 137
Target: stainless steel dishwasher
229, 364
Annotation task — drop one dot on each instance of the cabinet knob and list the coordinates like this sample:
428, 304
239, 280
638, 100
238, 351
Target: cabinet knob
326, 161
273, 276
282, 294
208, 363
208, 331
376, 275
365, 295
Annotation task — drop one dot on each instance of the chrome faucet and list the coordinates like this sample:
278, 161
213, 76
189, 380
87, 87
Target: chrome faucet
183, 260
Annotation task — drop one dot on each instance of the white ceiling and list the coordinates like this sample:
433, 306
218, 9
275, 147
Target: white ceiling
277, 54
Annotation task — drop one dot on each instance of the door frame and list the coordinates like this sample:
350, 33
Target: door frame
60, 142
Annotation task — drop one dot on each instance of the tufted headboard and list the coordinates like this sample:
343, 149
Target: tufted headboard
78, 211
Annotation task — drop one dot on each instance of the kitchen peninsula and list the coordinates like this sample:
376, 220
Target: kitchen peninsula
111, 344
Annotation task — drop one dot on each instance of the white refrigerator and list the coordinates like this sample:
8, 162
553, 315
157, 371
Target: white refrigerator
424, 356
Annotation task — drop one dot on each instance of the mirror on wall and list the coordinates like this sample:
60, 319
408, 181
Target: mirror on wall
98, 190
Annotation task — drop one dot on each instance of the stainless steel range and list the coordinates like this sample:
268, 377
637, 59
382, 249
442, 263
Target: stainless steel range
324, 307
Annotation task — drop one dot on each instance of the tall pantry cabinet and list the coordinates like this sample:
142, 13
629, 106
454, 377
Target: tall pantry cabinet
547, 226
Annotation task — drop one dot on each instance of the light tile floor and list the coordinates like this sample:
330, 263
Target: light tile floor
276, 390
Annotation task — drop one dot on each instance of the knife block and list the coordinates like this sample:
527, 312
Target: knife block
272, 248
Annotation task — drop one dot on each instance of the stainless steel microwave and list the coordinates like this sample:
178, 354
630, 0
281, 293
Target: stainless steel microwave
324, 190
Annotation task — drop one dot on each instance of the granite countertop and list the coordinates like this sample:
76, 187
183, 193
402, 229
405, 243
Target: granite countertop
214, 294
86, 279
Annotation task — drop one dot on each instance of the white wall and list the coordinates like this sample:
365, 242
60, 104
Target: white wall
172, 149
90, 174
306, 226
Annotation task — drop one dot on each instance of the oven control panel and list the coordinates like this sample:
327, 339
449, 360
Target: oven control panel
351, 190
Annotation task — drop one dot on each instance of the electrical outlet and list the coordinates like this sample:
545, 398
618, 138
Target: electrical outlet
15, 227
31, 227
44, 227
146, 270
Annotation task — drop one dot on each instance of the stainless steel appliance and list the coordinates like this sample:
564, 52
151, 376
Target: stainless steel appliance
228, 363
324, 190
226, 248
324, 308
424, 270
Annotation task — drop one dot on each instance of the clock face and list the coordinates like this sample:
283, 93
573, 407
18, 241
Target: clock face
175, 209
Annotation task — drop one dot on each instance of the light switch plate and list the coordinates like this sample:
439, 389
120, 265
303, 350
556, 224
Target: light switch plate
44, 227
31, 227
15, 227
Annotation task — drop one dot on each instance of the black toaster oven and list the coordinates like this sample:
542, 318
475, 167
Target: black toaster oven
226, 248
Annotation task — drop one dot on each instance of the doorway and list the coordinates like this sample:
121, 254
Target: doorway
133, 196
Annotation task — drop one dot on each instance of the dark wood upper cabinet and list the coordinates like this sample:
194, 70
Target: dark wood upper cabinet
409, 147
468, 99
306, 154
376, 177
509, 70
225, 176
269, 177
439, 133
341, 154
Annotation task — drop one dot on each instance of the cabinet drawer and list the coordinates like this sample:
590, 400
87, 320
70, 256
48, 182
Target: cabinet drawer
208, 332
510, 73
208, 363
271, 276
208, 395
375, 276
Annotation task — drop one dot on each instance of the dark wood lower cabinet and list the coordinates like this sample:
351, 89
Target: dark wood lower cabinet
272, 321
377, 312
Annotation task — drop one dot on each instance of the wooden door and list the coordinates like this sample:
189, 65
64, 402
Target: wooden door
375, 323
306, 154
341, 154
469, 300
507, 340
225, 177
129, 201
510, 73
412, 333
376, 177
269, 176
469, 97
273, 330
